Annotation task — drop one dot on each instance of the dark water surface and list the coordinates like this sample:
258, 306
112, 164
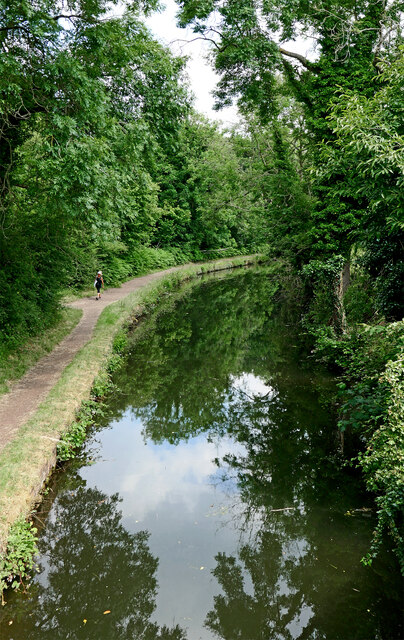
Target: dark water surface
211, 501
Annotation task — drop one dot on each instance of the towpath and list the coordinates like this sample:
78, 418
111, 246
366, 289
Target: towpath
25, 396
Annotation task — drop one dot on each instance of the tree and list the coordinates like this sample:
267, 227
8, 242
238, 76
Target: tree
369, 148
85, 100
249, 51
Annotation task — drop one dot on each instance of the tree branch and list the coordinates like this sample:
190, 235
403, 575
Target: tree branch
67, 17
14, 27
304, 61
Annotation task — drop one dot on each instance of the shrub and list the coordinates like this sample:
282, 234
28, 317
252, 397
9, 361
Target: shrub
19, 557
383, 463
371, 393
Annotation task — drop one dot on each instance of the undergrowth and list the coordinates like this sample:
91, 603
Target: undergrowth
370, 362
92, 408
17, 562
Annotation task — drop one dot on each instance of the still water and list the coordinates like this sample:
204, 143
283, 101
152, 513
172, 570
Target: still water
210, 501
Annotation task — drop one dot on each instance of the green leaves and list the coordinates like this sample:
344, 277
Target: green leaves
371, 399
87, 102
19, 558
383, 463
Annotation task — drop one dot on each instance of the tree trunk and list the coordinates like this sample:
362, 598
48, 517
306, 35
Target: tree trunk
341, 285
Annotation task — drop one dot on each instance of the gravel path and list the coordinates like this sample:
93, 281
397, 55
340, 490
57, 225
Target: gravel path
25, 396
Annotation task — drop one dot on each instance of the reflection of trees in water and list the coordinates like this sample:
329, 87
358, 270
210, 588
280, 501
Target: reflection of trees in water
271, 593
262, 614
183, 361
181, 384
95, 565
296, 558
288, 454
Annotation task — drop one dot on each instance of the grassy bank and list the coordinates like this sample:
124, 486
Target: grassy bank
27, 461
15, 363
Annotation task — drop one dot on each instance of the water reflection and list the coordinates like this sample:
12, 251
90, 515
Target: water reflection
230, 520
297, 592
91, 565
235, 370
184, 360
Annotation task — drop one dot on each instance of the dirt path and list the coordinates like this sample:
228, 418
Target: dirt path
25, 396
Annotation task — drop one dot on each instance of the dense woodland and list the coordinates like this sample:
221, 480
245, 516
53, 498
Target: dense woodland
104, 163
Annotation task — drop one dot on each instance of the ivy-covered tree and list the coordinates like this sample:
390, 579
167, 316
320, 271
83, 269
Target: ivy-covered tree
369, 148
251, 44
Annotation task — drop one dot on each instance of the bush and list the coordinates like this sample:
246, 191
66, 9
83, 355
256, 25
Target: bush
19, 557
371, 394
145, 259
383, 463
359, 299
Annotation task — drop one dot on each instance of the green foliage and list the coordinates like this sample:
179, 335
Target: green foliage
19, 557
120, 343
77, 432
363, 351
383, 462
90, 409
369, 153
371, 394
323, 277
383, 260
140, 260
146, 259
359, 299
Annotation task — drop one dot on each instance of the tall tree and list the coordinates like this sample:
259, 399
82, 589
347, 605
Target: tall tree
85, 98
251, 45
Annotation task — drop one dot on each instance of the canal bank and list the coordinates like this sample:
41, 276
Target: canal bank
210, 498
27, 460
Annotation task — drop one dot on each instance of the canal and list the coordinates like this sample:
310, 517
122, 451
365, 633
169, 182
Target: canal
211, 499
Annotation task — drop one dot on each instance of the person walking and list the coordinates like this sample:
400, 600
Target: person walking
99, 282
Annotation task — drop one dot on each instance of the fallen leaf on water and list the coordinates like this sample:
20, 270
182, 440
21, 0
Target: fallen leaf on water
107, 611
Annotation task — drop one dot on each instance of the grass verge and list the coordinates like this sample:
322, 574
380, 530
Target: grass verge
15, 364
26, 462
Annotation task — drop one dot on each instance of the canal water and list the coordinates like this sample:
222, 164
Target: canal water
211, 500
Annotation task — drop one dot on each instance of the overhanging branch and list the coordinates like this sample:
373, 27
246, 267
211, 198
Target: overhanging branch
304, 61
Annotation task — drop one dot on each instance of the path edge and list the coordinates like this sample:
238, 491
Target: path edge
32, 453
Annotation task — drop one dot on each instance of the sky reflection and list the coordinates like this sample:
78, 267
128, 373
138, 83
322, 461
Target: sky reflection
179, 495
